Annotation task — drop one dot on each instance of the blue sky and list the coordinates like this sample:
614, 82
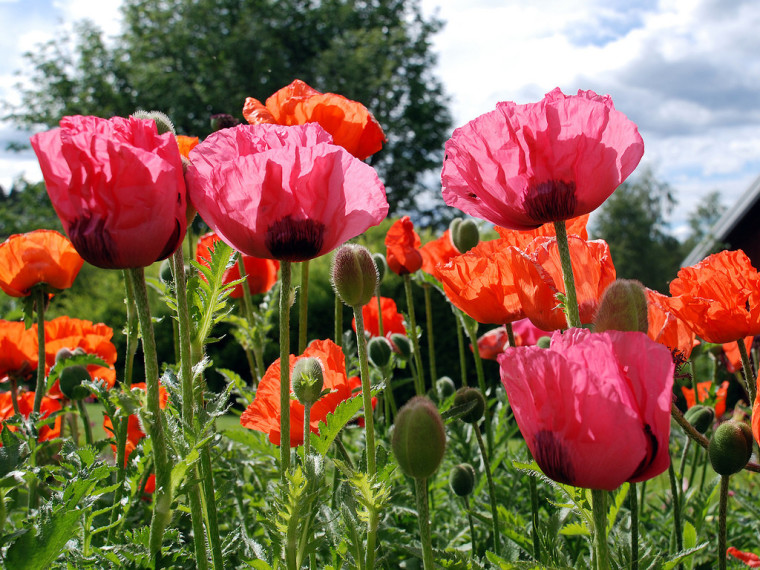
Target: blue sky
686, 71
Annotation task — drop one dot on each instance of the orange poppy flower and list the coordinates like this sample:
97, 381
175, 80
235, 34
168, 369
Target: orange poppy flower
25, 406
18, 349
351, 125
186, 144
261, 273
95, 339
263, 414
704, 394
733, 356
538, 278
666, 327
719, 297
481, 283
41, 256
356, 389
756, 412
522, 238
393, 321
437, 252
403, 247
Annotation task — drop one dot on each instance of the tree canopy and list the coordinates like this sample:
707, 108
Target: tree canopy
195, 58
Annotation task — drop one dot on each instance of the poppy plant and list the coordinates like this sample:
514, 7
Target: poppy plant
704, 393
18, 350
117, 186
719, 297
26, 405
261, 273
186, 144
594, 408
666, 327
521, 166
37, 257
284, 193
351, 125
403, 247
393, 321
263, 414
751, 559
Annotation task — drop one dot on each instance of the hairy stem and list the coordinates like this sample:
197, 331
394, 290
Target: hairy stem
571, 299
420, 379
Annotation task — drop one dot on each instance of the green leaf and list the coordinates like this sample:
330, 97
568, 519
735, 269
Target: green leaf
337, 420
37, 550
682, 556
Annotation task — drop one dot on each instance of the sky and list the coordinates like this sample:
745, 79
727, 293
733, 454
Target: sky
687, 72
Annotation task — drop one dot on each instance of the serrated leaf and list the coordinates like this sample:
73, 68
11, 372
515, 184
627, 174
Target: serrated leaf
336, 421
36, 551
680, 557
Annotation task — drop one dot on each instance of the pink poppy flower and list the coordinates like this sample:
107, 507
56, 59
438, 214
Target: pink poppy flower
521, 166
117, 186
595, 407
283, 193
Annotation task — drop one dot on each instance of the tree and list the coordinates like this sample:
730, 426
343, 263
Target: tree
25, 208
194, 58
632, 222
702, 219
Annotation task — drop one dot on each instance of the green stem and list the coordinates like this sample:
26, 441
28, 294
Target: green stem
749, 377
536, 520
472, 332
39, 303
431, 340
380, 326
599, 507
338, 320
162, 498
633, 505
369, 421
85, 421
722, 513
491, 490
466, 500
423, 518
676, 507
14, 395
571, 300
510, 334
420, 379
460, 343
258, 369
285, 269
306, 429
372, 523
212, 519
303, 306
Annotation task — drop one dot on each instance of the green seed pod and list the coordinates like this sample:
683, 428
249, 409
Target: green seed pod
379, 350
462, 479
701, 417
467, 394
163, 122
382, 266
464, 235
419, 439
403, 345
354, 275
730, 447
308, 379
70, 381
445, 387
544, 342
623, 307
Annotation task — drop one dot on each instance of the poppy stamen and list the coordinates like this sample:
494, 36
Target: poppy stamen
550, 200
295, 240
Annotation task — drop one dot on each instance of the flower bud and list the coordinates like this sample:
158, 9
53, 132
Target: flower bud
466, 395
163, 122
419, 439
70, 381
308, 379
701, 417
63, 354
403, 345
379, 350
623, 307
464, 234
462, 479
382, 266
223, 121
544, 342
354, 275
166, 273
730, 447
445, 387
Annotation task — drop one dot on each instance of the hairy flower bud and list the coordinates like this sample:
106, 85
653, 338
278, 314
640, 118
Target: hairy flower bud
163, 122
70, 381
379, 350
730, 447
462, 479
445, 387
544, 342
354, 275
466, 395
403, 345
63, 354
308, 379
701, 417
382, 266
464, 234
419, 439
623, 307
166, 272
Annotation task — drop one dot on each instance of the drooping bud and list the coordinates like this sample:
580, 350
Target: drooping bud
308, 379
223, 121
382, 266
466, 395
464, 234
403, 345
544, 342
445, 387
70, 381
63, 354
163, 123
462, 479
730, 447
701, 417
354, 275
419, 439
379, 350
623, 307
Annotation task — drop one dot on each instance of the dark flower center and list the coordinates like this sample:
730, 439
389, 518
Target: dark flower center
93, 241
651, 452
295, 240
553, 458
550, 201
